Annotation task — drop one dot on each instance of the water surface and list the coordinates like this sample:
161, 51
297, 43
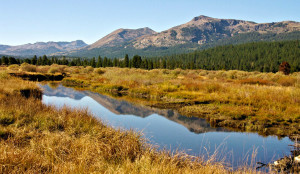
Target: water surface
170, 130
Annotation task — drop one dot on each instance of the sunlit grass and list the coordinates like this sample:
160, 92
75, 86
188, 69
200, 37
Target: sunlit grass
265, 99
35, 138
272, 99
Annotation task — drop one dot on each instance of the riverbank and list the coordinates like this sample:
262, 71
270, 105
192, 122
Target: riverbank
35, 138
267, 103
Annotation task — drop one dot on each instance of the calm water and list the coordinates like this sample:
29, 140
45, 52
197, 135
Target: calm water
170, 130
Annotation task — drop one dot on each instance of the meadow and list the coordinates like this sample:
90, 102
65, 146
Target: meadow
35, 138
267, 103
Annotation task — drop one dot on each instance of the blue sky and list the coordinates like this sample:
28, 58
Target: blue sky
29, 21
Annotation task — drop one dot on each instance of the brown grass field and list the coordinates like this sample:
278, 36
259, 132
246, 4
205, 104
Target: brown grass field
267, 103
36, 138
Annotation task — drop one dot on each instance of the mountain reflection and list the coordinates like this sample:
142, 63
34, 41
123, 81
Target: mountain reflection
61, 91
122, 107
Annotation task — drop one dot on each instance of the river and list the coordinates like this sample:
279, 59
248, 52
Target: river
169, 130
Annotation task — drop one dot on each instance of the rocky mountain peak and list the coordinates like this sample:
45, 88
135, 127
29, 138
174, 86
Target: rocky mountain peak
121, 36
202, 17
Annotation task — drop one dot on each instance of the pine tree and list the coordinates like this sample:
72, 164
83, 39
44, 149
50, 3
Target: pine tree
4, 60
105, 62
136, 61
115, 63
34, 60
93, 62
39, 61
99, 62
126, 61
12, 60
45, 60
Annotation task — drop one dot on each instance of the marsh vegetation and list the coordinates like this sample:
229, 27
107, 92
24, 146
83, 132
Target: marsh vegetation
267, 103
35, 138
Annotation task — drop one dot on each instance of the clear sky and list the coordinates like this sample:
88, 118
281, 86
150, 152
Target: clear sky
30, 21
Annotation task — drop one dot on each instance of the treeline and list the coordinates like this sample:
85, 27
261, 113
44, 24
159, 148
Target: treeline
135, 62
258, 56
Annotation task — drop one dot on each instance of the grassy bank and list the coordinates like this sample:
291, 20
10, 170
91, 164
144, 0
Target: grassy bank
35, 138
267, 103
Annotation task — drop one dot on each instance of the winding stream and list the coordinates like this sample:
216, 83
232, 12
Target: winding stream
170, 130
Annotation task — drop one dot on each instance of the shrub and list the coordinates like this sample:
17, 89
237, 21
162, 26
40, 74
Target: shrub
213, 87
43, 69
88, 69
53, 70
192, 86
72, 70
254, 81
99, 71
169, 87
57, 68
3, 75
27, 67
14, 67
232, 74
285, 68
287, 81
176, 71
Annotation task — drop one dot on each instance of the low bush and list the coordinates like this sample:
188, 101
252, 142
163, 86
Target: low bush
43, 69
88, 69
99, 71
287, 81
53, 70
28, 68
253, 81
14, 67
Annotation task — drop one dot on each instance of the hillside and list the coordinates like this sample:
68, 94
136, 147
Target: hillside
255, 56
120, 36
199, 33
205, 29
41, 48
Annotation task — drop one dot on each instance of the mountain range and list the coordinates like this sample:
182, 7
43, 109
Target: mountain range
41, 48
199, 33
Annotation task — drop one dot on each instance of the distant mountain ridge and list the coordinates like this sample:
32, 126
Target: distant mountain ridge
41, 48
203, 29
199, 33
120, 36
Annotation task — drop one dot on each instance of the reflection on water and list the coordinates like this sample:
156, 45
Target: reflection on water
170, 130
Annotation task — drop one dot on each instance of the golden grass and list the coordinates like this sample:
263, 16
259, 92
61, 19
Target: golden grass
35, 138
270, 99
12, 85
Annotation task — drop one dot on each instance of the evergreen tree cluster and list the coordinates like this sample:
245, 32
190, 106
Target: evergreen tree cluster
258, 56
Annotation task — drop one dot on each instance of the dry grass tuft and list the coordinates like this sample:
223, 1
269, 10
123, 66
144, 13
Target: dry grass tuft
28, 67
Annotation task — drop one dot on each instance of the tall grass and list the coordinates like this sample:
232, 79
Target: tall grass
35, 138
252, 101
271, 99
